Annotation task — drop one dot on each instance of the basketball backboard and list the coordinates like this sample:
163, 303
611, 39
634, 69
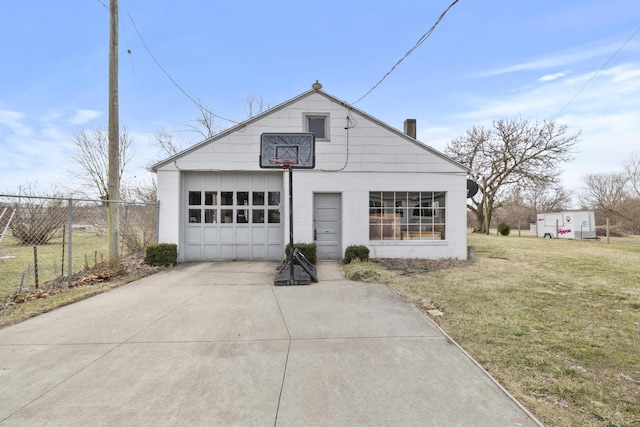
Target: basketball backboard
281, 150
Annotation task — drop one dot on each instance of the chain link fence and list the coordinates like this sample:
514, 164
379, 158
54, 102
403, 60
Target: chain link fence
44, 238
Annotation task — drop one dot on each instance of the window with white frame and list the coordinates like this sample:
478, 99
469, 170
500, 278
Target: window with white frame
317, 124
407, 215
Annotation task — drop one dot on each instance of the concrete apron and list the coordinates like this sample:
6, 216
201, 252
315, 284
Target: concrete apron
218, 344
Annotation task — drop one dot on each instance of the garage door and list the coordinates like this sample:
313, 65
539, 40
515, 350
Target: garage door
233, 216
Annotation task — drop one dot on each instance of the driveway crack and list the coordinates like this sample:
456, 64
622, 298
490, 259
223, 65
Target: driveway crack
286, 362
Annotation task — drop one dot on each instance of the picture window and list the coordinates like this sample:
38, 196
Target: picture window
407, 215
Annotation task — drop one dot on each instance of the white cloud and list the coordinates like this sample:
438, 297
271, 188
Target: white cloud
604, 107
558, 59
13, 121
10, 118
84, 116
551, 77
32, 150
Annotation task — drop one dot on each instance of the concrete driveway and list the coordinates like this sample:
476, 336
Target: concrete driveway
217, 344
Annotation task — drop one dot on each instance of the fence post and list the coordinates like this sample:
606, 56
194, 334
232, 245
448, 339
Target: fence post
158, 221
35, 263
69, 237
64, 230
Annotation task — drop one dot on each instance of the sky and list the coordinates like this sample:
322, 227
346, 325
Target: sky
573, 61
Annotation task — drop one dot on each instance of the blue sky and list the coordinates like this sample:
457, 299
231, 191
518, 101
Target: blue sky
486, 60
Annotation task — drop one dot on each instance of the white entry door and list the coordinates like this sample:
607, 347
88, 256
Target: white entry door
327, 225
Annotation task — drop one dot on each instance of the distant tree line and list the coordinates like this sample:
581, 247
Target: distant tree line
517, 165
616, 196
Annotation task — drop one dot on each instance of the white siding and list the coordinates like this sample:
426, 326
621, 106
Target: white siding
366, 146
355, 188
169, 193
368, 156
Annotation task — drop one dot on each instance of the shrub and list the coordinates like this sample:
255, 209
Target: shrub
309, 250
163, 254
356, 252
504, 229
37, 221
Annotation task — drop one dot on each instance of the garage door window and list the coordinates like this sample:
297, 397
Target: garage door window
195, 214
210, 198
210, 216
234, 207
258, 198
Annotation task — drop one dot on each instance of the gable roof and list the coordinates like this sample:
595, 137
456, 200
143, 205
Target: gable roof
292, 101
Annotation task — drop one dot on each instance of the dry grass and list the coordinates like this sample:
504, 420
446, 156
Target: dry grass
19, 306
557, 322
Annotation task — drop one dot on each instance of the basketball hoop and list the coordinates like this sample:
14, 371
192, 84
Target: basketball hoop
285, 162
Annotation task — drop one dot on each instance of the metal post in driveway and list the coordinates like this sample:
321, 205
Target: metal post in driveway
292, 280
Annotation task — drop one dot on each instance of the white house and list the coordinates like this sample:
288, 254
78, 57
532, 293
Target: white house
372, 185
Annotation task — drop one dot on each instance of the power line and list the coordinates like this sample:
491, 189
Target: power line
599, 71
198, 104
166, 73
420, 41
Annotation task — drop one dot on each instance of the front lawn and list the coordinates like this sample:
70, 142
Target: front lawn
557, 322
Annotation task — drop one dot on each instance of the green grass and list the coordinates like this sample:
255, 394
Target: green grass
557, 322
87, 249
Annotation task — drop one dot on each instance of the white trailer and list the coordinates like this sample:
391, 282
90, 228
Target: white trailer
567, 225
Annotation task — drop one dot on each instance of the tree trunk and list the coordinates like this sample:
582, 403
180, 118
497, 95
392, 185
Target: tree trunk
480, 228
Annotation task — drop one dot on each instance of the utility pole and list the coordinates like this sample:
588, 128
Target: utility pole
114, 139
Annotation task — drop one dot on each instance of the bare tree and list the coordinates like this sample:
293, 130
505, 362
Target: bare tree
520, 204
515, 152
167, 142
606, 193
205, 122
91, 153
544, 197
170, 143
144, 192
632, 169
255, 106
515, 209
39, 215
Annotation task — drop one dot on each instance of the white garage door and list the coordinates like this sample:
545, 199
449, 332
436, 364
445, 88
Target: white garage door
233, 216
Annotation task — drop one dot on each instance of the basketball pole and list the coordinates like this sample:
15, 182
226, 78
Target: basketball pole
292, 279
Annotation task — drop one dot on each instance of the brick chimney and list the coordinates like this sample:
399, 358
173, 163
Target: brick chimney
410, 128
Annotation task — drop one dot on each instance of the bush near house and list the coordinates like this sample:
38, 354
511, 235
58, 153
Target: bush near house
309, 250
504, 229
356, 253
161, 254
